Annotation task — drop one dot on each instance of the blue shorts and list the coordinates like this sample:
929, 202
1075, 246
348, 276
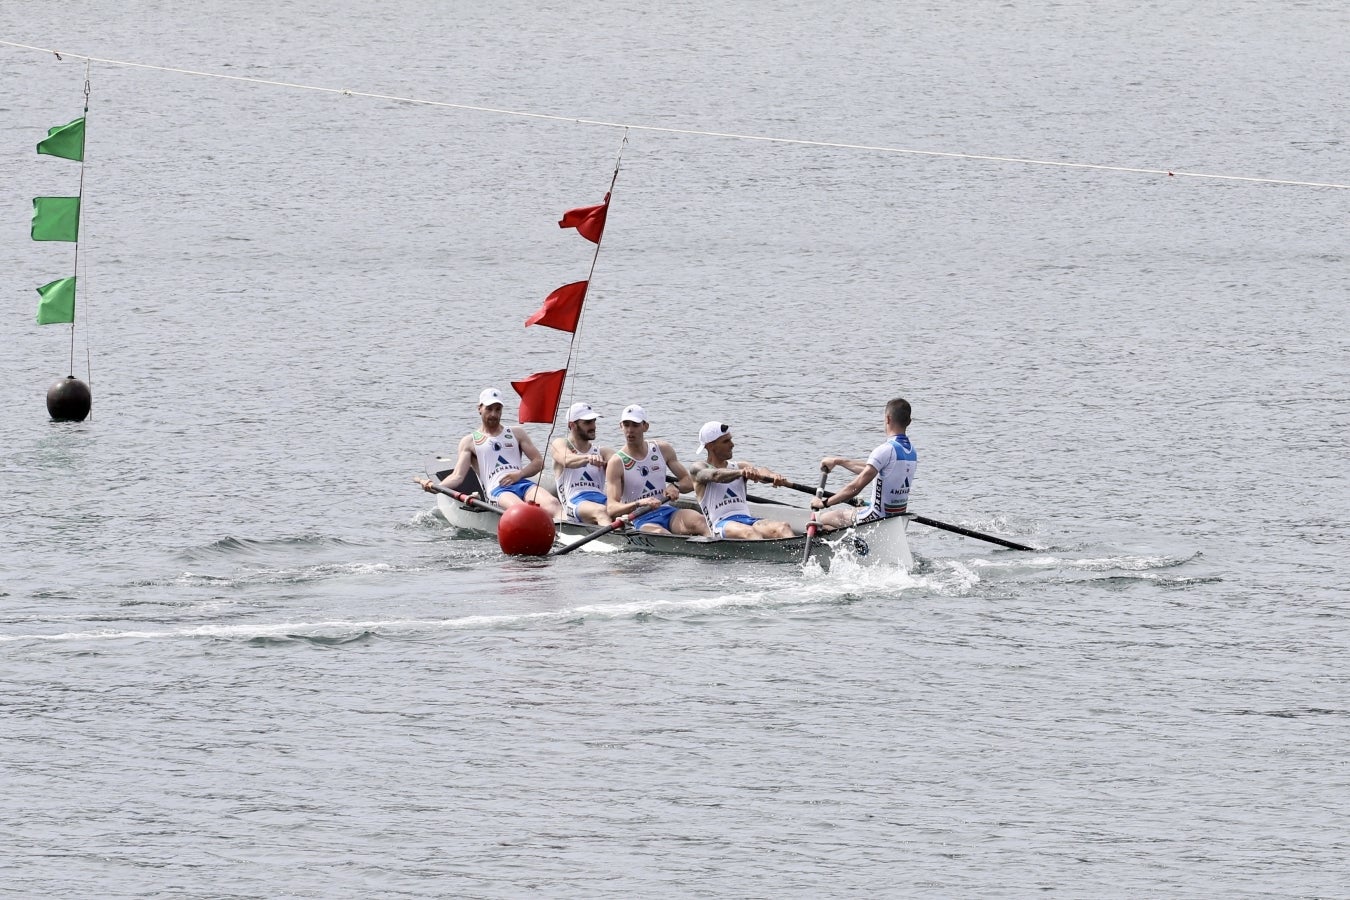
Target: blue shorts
519, 488
570, 507
738, 517
659, 516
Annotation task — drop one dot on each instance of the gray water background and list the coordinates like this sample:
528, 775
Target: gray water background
240, 658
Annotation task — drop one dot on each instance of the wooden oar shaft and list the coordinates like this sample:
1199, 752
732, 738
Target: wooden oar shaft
814, 525
600, 532
957, 529
934, 523
466, 499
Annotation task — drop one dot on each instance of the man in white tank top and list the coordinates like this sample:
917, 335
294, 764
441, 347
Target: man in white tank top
496, 454
892, 465
579, 468
635, 481
720, 483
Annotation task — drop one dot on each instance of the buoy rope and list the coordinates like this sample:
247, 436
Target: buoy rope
801, 142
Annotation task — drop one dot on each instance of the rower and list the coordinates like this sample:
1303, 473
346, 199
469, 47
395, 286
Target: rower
635, 481
495, 453
719, 485
579, 468
894, 462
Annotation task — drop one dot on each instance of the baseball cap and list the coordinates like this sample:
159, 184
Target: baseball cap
489, 397
633, 413
710, 432
581, 411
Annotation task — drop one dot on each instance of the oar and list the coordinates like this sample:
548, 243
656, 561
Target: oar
813, 525
934, 523
600, 532
466, 499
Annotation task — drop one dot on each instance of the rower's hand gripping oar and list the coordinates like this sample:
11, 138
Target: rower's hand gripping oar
813, 525
466, 499
932, 523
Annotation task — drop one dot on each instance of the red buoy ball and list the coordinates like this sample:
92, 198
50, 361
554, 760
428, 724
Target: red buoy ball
526, 530
68, 400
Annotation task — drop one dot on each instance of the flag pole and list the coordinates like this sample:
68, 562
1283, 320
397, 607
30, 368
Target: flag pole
594, 258
80, 221
572, 344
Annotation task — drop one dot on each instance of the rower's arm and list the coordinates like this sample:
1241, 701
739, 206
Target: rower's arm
563, 455
704, 474
853, 465
463, 463
683, 481
527, 447
614, 504
853, 488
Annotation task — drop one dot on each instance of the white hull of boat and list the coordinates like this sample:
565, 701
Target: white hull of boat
884, 541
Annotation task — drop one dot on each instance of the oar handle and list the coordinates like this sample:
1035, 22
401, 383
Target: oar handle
466, 499
798, 486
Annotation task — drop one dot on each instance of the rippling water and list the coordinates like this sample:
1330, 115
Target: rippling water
242, 657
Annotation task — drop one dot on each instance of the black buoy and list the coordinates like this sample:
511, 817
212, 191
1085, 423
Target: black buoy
68, 400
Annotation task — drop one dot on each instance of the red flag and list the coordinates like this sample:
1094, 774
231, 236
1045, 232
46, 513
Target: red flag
539, 396
562, 308
589, 221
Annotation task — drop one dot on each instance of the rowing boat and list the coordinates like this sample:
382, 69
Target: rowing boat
884, 541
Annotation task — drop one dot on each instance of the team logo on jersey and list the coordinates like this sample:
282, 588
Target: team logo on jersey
503, 460
628, 461
479, 437
586, 478
645, 472
731, 495
649, 486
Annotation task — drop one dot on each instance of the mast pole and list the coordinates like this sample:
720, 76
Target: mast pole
80, 222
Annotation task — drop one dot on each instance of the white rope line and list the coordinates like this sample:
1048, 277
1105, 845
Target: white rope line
870, 148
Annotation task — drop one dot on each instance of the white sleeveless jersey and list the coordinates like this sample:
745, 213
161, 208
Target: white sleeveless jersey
644, 477
572, 482
720, 500
496, 456
895, 462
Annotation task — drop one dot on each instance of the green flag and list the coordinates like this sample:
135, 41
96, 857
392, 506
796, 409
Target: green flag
65, 141
58, 302
56, 218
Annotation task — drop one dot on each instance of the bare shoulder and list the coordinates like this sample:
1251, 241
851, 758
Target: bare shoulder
666, 449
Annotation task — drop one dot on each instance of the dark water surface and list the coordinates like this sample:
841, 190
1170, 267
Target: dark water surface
240, 657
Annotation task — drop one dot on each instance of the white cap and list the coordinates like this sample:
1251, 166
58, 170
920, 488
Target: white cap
633, 413
710, 432
581, 411
489, 397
